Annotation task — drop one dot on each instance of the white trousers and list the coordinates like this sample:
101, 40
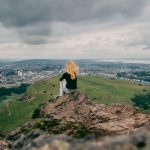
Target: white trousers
63, 87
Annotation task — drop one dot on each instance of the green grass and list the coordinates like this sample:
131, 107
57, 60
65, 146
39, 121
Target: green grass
103, 90
15, 113
10, 98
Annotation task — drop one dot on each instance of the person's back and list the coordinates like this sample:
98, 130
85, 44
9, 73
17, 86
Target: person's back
71, 83
68, 81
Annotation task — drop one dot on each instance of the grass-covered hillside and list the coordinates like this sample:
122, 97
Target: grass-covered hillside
14, 113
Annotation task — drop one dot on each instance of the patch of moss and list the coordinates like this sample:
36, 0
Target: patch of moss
36, 113
80, 130
55, 126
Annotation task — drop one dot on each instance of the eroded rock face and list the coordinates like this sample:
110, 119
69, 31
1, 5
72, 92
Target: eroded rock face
96, 118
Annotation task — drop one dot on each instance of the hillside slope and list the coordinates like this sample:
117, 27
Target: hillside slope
99, 89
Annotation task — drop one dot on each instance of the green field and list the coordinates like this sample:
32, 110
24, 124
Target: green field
14, 113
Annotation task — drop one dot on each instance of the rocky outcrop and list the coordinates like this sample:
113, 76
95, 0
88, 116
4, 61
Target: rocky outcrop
39, 141
76, 112
75, 115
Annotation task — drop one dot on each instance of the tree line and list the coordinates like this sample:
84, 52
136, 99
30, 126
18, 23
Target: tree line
16, 90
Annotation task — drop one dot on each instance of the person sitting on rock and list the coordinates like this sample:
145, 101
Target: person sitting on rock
68, 81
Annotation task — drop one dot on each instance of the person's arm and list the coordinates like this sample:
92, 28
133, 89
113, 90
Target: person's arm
63, 77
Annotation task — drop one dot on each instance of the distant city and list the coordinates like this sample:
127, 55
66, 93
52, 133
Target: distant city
15, 73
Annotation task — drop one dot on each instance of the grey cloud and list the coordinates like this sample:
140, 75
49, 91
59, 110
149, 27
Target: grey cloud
28, 13
34, 40
147, 47
141, 40
35, 35
21, 13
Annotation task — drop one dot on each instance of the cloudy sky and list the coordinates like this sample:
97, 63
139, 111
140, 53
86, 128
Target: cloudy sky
101, 29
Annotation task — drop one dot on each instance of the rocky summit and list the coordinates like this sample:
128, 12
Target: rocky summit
74, 122
64, 112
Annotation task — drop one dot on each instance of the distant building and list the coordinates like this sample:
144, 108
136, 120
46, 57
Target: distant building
20, 74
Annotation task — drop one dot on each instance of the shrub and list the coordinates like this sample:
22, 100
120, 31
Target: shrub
37, 112
142, 101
